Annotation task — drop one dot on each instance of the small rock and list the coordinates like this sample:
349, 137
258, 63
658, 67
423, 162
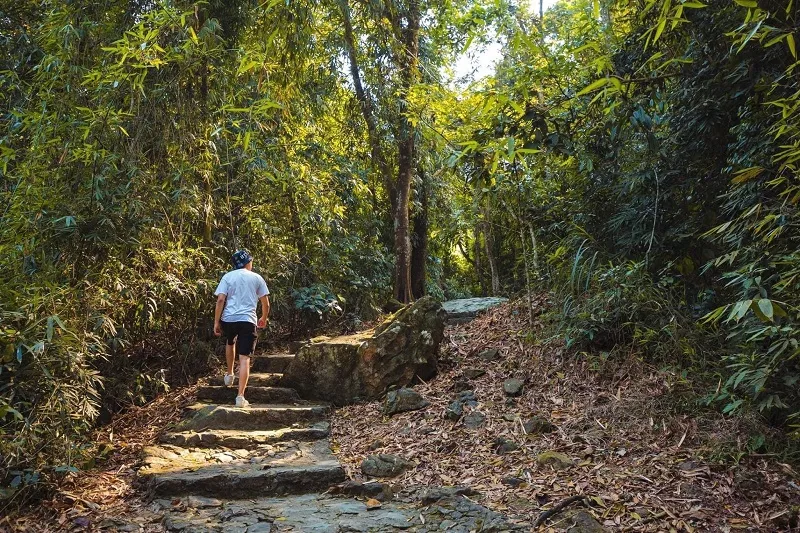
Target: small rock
261, 527
461, 385
373, 504
689, 465
489, 355
446, 524
537, 425
474, 420
513, 386
403, 400
371, 489
376, 444
510, 417
468, 398
583, 522
434, 495
503, 446
200, 502
454, 411
384, 465
473, 373
513, 482
557, 460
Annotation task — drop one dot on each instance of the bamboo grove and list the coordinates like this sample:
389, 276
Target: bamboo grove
635, 159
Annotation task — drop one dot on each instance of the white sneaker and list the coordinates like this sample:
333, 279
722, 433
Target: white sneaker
241, 402
228, 379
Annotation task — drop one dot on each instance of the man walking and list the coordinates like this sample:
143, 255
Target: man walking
238, 294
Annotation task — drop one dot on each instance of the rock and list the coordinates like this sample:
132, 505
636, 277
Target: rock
470, 307
538, 425
461, 385
384, 465
474, 420
376, 444
489, 355
261, 527
557, 460
583, 522
364, 366
513, 386
454, 411
200, 502
402, 400
468, 398
372, 489
513, 482
473, 373
503, 446
392, 306
430, 496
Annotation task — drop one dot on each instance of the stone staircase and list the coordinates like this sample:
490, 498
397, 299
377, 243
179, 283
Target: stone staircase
277, 446
267, 469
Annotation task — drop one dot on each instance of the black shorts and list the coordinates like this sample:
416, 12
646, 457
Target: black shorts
242, 333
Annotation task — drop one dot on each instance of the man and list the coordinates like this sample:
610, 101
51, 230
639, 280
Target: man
238, 294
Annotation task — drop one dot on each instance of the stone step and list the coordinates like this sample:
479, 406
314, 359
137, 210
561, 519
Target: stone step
258, 417
256, 379
253, 394
231, 438
293, 469
273, 363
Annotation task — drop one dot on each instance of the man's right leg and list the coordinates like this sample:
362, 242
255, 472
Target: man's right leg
230, 357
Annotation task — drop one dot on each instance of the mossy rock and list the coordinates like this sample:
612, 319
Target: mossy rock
557, 460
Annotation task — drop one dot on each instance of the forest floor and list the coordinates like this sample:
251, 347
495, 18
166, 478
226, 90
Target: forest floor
634, 440
630, 439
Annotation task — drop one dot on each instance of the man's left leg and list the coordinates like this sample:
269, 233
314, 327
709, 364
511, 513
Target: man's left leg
245, 345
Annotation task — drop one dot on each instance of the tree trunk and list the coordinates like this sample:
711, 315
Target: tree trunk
419, 241
405, 160
478, 261
489, 243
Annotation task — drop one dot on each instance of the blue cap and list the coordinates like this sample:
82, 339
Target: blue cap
241, 258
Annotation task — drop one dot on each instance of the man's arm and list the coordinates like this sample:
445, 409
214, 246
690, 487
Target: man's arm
218, 313
264, 311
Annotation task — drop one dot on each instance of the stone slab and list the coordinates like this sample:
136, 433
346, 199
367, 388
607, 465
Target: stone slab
470, 307
254, 394
231, 438
291, 468
272, 364
256, 379
257, 417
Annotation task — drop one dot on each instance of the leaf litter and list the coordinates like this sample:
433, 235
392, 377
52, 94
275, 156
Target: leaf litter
639, 449
106, 496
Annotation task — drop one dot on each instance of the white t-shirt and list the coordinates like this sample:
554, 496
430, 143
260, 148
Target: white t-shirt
242, 288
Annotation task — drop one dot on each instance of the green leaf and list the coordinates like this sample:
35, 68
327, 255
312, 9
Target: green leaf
765, 306
747, 3
792, 46
593, 86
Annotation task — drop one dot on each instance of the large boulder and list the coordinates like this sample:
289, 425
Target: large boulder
345, 369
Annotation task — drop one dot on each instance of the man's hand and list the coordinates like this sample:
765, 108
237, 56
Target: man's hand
217, 329
262, 323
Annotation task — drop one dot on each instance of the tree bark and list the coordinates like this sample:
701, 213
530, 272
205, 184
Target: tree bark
489, 243
419, 241
405, 162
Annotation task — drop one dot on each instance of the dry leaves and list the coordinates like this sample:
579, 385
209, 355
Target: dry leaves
98, 497
645, 462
